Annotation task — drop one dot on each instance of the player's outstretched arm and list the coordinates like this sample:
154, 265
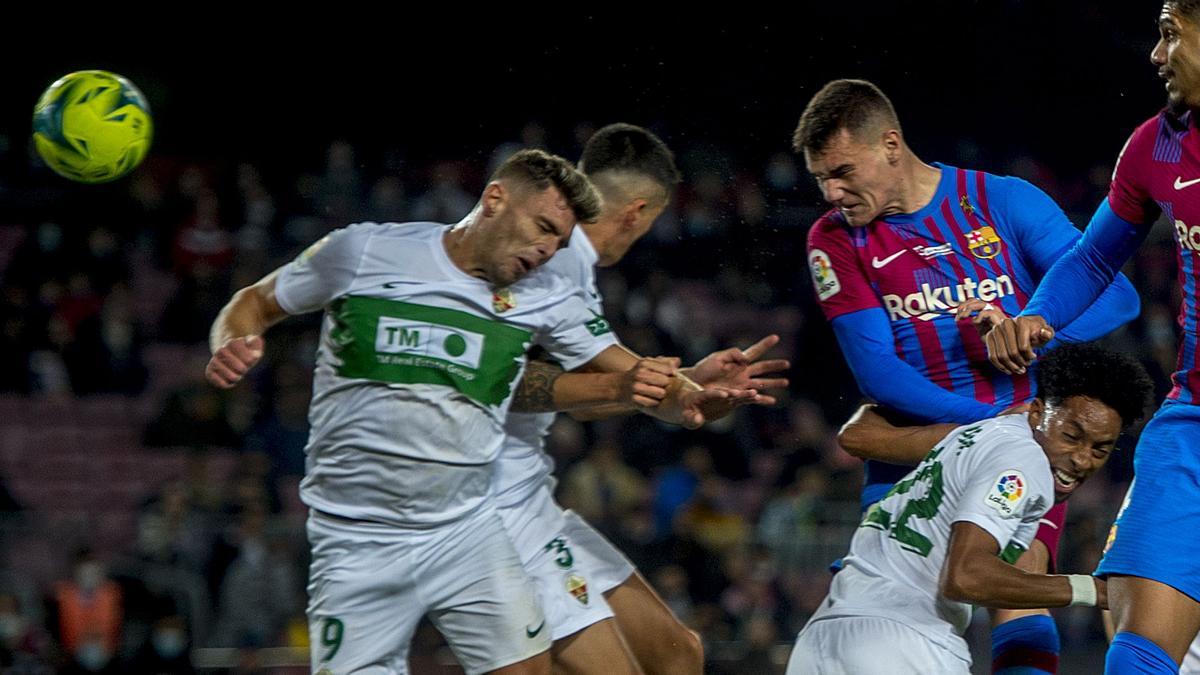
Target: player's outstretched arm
1045, 234
684, 402
730, 368
869, 435
1068, 289
974, 573
867, 343
236, 336
546, 388
617, 381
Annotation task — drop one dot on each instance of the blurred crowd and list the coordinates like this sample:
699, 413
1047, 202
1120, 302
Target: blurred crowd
108, 294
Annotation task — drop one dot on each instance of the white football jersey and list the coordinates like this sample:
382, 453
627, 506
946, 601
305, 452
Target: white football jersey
416, 368
990, 473
523, 465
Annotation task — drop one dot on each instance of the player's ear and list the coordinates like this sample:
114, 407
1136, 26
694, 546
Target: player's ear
495, 199
1037, 413
633, 213
893, 143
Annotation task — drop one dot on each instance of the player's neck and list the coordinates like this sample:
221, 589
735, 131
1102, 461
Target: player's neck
600, 233
595, 233
461, 247
920, 184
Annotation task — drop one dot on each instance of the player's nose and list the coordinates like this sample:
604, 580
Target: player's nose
1084, 462
832, 191
1158, 55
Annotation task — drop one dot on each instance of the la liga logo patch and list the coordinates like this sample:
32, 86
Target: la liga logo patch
824, 278
1007, 492
1011, 486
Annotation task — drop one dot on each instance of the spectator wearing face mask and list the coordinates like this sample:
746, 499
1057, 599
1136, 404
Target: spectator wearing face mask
89, 608
167, 652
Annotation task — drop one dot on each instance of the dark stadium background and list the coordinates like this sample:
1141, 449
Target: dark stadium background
187, 498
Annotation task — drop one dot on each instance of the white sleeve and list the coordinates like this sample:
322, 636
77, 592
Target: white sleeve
574, 267
1007, 487
323, 271
1021, 540
592, 292
575, 334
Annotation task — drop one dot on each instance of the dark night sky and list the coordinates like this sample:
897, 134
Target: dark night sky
1062, 81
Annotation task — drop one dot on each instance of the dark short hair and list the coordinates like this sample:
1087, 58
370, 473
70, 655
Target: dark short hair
541, 170
629, 149
1115, 379
854, 105
1188, 8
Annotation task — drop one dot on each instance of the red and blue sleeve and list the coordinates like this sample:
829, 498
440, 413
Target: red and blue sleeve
865, 335
1116, 230
1046, 235
867, 343
837, 276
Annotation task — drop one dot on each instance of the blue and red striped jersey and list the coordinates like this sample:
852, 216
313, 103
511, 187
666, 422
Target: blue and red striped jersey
981, 236
1159, 172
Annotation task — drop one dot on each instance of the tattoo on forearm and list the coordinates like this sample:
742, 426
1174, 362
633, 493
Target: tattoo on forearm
535, 391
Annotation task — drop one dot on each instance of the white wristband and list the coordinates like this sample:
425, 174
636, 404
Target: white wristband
1083, 590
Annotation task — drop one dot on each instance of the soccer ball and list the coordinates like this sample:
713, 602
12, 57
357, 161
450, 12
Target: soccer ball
92, 126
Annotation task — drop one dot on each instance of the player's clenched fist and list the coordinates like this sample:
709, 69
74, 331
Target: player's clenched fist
645, 384
1010, 343
233, 360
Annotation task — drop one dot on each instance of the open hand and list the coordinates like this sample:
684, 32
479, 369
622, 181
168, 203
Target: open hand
734, 368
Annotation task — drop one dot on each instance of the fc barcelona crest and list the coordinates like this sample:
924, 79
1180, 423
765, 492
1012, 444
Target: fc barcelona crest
503, 300
577, 587
984, 242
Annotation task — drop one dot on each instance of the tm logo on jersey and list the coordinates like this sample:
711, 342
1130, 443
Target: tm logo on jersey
930, 302
1007, 493
403, 341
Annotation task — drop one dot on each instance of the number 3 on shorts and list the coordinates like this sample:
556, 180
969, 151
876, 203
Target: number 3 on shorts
559, 547
331, 636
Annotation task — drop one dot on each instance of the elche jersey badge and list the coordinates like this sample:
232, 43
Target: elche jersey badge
503, 300
577, 587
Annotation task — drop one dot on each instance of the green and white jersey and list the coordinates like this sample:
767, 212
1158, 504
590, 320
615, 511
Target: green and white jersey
990, 473
523, 466
416, 368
